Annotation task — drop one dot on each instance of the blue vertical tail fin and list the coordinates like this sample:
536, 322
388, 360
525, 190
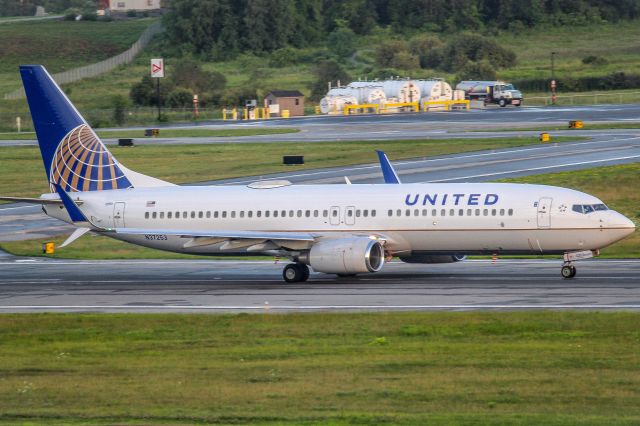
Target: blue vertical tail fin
74, 156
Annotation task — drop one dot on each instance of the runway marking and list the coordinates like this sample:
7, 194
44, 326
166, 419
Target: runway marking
309, 307
536, 168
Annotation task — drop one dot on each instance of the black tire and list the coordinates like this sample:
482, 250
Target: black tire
568, 271
502, 103
305, 271
292, 273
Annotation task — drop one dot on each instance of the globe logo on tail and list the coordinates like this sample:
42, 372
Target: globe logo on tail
82, 163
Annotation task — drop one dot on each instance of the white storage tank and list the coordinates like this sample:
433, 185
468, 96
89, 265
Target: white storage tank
403, 90
368, 92
434, 90
335, 104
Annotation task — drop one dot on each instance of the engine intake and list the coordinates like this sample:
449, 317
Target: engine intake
347, 256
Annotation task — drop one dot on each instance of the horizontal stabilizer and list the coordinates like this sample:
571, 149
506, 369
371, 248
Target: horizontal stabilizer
33, 200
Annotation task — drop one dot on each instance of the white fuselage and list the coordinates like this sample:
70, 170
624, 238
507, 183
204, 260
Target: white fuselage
410, 218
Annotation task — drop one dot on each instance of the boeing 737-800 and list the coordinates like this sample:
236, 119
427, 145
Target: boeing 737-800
337, 229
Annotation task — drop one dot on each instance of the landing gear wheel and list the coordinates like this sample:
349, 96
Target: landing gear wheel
568, 271
295, 272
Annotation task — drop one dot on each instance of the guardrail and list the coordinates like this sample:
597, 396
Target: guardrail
347, 108
102, 67
446, 104
586, 99
414, 105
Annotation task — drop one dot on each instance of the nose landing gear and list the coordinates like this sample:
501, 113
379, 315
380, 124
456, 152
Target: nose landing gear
568, 270
295, 272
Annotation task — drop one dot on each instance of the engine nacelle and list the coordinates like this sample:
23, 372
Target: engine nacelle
346, 256
433, 258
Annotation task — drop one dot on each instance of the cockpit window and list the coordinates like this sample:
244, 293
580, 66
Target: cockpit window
588, 208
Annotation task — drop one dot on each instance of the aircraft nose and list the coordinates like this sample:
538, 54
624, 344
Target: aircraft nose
620, 221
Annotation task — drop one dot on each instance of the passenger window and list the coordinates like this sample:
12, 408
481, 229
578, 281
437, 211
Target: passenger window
200, 215
434, 212
177, 215
461, 212
208, 214
169, 215
299, 214
416, 212
469, 212
398, 212
266, 213
250, 213
477, 212
215, 215
493, 212
316, 213
184, 215
334, 213
146, 215
349, 212
365, 213
390, 212
283, 213
193, 215
307, 213
224, 214
325, 213
452, 212
501, 212
241, 213
161, 215
485, 212
407, 212
275, 213
290, 213
259, 213
357, 213
443, 212
510, 212
233, 214
373, 213
153, 215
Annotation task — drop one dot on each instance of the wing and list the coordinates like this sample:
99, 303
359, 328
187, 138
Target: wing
32, 200
231, 240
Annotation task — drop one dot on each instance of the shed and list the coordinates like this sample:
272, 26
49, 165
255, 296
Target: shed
291, 100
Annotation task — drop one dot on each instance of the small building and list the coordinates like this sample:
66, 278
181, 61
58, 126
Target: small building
126, 5
280, 100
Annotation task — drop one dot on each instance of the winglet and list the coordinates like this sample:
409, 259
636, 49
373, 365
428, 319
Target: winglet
390, 175
74, 212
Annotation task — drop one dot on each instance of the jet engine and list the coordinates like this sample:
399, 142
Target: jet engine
346, 256
433, 258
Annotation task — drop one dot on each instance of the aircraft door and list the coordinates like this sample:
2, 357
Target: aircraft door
350, 215
118, 215
544, 212
334, 215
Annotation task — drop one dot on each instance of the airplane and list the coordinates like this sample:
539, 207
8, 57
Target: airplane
334, 229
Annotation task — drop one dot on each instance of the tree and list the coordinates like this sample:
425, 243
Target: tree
327, 71
119, 103
341, 42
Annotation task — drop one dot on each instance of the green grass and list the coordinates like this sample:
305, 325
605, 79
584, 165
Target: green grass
525, 368
170, 133
22, 173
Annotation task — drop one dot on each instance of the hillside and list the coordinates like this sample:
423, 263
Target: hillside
90, 41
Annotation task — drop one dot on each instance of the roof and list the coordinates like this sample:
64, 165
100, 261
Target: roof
285, 93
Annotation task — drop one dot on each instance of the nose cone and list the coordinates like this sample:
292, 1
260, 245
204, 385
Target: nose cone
618, 221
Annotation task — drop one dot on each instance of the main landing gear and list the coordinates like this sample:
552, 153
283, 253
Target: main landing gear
568, 270
295, 272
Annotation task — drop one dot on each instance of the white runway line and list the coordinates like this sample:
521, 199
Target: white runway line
309, 307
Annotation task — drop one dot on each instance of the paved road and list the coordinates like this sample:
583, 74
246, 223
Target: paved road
186, 286
20, 222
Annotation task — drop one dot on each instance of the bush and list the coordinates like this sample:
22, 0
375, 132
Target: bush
180, 98
283, 57
594, 60
406, 61
476, 48
326, 71
477, 71
119, 103
386, 52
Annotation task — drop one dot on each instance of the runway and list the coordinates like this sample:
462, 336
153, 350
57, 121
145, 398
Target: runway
35, 285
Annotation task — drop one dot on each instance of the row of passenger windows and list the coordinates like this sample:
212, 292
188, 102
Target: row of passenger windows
259, 213
451, 212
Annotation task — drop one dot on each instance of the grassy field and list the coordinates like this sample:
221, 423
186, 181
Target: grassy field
22, 173
525, 368
616, 185
193, 132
